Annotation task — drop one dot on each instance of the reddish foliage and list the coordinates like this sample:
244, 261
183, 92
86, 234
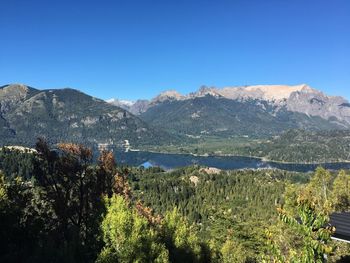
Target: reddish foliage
77, 150
147, 213
121, 186
107, 161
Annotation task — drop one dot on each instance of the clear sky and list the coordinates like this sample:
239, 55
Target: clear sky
136, 49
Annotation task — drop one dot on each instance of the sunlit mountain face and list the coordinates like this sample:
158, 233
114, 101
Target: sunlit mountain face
249, 110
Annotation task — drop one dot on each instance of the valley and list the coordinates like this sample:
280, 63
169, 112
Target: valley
292, 146
291, 124
172, 131
207, 177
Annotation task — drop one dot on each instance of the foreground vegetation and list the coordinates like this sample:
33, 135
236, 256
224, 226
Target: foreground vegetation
60, 206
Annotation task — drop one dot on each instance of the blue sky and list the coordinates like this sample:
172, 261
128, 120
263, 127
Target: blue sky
136, 49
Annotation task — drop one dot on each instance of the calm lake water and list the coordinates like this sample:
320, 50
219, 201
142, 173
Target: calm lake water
171, 161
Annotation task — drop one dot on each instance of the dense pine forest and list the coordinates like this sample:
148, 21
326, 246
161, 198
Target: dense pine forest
62, 204
293, 146
302, 146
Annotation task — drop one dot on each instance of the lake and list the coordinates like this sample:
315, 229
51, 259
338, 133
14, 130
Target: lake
172, 161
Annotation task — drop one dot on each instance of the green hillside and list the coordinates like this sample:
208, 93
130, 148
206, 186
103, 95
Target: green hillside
69, 115
222, 117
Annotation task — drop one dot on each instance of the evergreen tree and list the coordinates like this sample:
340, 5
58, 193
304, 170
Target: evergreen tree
128, 236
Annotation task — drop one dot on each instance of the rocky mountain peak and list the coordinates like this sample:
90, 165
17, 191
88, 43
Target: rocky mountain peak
11, 95
275, 92
260, 92
204, 91
66, 115
135, 107
298, 98
307, 88
168, 95
120, 103
14, 90
315, 103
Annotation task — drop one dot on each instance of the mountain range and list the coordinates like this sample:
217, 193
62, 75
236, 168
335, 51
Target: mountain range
170, 118
67, 115
246, 110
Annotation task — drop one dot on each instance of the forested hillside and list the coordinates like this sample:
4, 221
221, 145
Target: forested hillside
69, 115
294, 146
201, 124
226, 206
306, 146
209, 115
60, 206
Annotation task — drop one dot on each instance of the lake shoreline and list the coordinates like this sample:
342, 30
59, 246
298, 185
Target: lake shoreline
263, 159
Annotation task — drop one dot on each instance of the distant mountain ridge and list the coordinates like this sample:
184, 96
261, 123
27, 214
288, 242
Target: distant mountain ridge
67, 115
170, 118
135, 107
298, 98
260, 110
